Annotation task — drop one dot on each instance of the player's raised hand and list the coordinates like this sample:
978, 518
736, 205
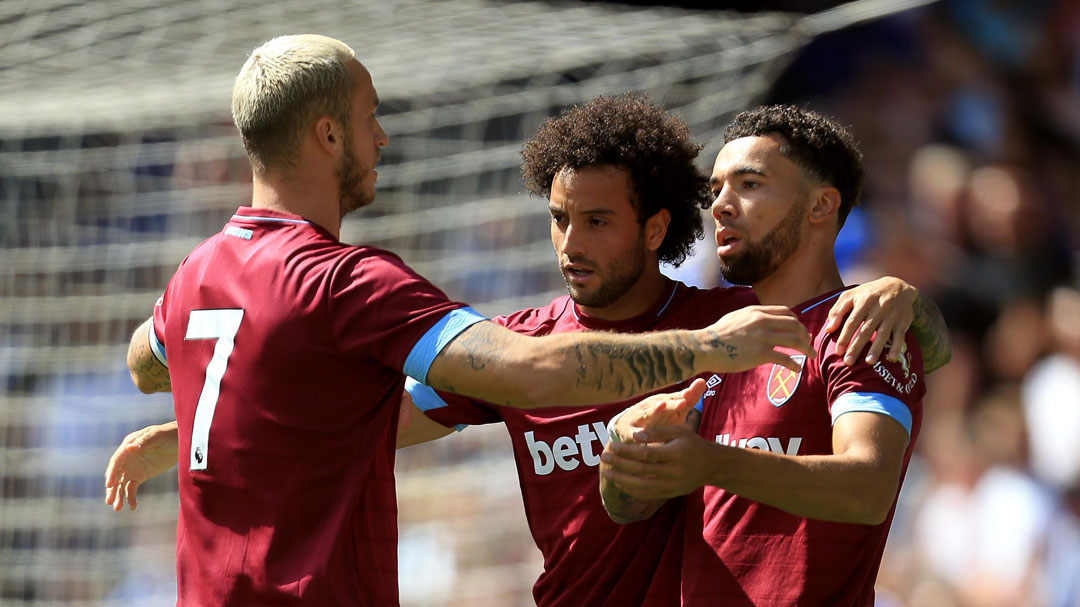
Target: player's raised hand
142, 455
748, 337
878, 313
669, 408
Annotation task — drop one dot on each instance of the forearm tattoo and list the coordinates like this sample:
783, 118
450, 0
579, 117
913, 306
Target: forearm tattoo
930, 331
624, 508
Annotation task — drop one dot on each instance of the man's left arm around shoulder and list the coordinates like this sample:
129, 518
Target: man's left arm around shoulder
857, 483
879, 313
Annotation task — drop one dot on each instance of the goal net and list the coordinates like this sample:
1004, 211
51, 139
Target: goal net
117, 156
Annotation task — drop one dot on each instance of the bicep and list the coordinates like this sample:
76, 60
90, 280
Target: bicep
483, 361
873, 439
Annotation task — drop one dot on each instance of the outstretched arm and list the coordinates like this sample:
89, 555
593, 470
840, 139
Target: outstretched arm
497, 365
879, 313
147, 372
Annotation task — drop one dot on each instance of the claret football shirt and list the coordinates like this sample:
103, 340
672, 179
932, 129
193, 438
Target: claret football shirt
740, 552
287, 351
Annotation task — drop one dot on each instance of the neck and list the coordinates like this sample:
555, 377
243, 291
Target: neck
809, 272
304, 198
651, 286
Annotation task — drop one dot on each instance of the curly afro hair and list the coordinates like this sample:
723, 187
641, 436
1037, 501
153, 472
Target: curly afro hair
819, 145
632, 133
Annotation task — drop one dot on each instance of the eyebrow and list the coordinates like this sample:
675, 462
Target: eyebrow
743, 170
601, 211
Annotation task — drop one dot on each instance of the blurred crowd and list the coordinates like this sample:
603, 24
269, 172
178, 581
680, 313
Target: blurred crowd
968, 113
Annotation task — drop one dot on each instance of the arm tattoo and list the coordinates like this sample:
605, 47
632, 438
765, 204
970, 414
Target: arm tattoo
930, 331
631, 369
624, 508
146, 366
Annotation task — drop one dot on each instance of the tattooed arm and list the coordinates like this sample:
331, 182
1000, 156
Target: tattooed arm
497, 365
930, 331
147, 372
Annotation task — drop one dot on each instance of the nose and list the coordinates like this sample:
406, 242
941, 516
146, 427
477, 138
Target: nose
571, 242
723, 205
380, 135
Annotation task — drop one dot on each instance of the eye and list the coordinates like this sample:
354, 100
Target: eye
597, 222
558, 218
750, 184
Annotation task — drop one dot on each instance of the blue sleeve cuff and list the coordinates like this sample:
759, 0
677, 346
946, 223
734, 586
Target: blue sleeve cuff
431, 343
156, 346
425, 398
873, 402
700, 406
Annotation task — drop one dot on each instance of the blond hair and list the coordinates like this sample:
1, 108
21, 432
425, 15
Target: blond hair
284, 86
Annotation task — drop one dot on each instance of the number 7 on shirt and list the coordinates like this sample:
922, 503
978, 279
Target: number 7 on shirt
221, 325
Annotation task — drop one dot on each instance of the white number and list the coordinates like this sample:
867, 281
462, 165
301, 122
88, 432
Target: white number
221, 325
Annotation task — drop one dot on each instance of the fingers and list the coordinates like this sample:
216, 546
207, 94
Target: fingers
132, 491
839, 310
899, 334
851, 324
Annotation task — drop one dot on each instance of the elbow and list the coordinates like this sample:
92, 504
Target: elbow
142, 384
871, 508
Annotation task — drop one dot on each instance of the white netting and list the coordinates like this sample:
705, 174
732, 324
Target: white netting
117, 156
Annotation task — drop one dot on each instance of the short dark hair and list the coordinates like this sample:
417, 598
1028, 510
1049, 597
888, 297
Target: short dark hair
818, 144
632, 133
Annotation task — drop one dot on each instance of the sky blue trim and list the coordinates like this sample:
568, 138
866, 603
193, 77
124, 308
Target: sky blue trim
873, 402
156, 346
668, 302
700, 406
279, 219
834, 296
431, 343
425, 398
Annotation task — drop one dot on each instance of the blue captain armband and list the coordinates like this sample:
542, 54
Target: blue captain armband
873, 402
425, 398
435, 339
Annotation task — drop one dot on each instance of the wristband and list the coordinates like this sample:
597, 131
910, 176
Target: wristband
612, 434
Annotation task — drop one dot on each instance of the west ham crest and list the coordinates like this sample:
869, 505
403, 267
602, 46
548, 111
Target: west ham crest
783, 381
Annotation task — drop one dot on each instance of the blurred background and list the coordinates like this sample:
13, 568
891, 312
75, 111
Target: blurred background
117, 156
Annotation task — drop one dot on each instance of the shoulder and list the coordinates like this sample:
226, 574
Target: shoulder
555, 316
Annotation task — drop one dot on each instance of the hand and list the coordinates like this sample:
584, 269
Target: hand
745, 338
142, 455
880, 312
668, 462
666, 409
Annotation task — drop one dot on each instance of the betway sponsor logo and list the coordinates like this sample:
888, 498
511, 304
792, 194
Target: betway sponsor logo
770, 443
568, 452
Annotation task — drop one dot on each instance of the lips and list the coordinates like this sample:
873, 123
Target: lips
727, 241
577, 272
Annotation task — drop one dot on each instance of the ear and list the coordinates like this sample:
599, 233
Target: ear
656, 229
824, 205
327, 135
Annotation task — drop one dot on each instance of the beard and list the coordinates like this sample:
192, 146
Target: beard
760, 258
351, 173
617, 278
